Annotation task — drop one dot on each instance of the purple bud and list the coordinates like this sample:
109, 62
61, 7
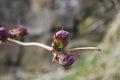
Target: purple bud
3, 34
61, 39
17, 32
66, 60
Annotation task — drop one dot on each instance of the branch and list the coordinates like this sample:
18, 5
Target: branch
31, 44
48, 47
83, 48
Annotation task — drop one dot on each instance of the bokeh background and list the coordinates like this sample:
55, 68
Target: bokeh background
90, 22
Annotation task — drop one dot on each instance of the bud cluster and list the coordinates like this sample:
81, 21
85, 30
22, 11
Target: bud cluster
61, 39
17, 32
66, 59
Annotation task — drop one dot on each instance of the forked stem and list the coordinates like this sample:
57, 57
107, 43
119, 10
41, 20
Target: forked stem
83, 48
30, 44
48, 47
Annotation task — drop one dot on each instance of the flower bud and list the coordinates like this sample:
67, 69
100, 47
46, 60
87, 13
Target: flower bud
66, 60
60, 39
3, 34
17, 32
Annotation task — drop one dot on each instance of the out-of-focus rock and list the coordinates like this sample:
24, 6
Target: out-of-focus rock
7, 77
112, 36
12, 11
41, 18
42, 23
67, 11
9, 54
106, 65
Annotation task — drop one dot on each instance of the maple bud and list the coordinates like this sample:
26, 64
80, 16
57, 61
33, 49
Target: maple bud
65, 59
3, 34
60, 39
17, 32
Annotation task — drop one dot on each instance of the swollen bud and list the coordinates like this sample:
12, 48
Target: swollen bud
3, 34
60, 39
66, 60
17, 32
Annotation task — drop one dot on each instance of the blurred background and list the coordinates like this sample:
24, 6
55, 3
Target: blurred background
90, 22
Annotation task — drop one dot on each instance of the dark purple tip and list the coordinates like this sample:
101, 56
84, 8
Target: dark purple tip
22, 29
62, 37
66, 60
18, 31
3, 34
